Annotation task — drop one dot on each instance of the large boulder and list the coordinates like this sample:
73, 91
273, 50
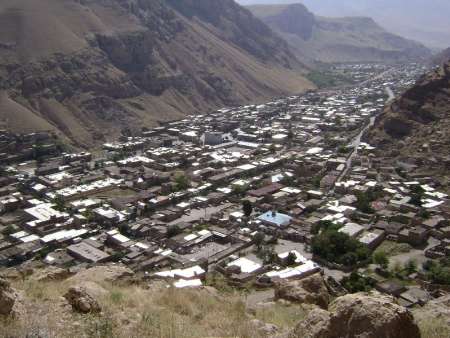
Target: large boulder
359, 315
310, 290
8, 297
83, 298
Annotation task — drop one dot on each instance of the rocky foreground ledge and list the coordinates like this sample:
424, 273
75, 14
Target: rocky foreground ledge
110, 301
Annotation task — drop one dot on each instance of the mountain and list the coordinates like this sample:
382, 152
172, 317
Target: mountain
441, 57
416, 126
348, 39
87, 69
421, 20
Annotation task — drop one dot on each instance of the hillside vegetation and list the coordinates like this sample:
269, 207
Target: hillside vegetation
127, 306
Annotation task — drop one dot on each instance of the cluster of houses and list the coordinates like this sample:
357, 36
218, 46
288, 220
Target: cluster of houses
168, 203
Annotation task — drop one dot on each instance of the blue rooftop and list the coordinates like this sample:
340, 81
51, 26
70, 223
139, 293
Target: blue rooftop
275, 218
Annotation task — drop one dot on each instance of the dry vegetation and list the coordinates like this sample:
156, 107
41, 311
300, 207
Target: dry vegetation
134, 311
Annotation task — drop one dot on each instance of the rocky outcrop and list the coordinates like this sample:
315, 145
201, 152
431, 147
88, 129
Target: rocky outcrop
417, 123
359, 315
8, 297
112, 273
266, 329
82, 299
310, 290
50, 273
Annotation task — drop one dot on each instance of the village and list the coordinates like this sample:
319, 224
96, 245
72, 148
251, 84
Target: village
242, 196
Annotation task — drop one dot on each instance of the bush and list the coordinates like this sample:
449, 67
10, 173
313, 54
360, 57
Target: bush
381, 259
437, 272
357, 283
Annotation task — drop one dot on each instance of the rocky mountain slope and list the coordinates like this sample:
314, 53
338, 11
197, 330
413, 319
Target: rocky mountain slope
112, 301
348, 39
441, 57
420, 20
87, 69
416, 126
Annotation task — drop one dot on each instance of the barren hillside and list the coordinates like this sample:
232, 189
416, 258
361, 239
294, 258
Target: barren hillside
416, 126
90, 68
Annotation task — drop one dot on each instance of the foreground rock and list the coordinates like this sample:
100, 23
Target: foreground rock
82, 298
311, 290
359, 315
8, 297
266, 329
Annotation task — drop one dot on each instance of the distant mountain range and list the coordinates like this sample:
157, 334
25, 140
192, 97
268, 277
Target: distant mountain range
426, 21
348, 39
89, 69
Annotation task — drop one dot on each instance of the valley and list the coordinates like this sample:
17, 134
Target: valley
245, 198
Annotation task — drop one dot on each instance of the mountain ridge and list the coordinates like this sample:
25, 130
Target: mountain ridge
423, 21
346, 39
124, 64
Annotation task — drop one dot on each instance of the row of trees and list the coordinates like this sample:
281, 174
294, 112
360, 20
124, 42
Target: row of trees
337, 247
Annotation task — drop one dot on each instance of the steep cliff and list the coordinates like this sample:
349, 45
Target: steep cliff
348, 39
89, 68
417, 124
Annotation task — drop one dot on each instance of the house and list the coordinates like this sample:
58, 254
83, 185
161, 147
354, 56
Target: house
414, 236
87, 253
275, 219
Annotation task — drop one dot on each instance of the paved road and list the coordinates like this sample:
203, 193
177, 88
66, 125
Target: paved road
357, 140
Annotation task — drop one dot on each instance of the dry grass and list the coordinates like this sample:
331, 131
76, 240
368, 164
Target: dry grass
133, 311
130, 311
434, 328
393, 248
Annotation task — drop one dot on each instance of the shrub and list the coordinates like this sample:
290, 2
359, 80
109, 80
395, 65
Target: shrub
357, 283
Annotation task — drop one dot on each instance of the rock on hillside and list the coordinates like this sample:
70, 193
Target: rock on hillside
348, 39
359, 315
310, 290
8, 297
417, 123
87, 69
82, 300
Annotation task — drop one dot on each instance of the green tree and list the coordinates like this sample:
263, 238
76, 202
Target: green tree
411, 266
417, 193
60, 203
291, 259
173, 230
337, 247
247, 208
363, 203
381, 259
10, 229
181, 182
